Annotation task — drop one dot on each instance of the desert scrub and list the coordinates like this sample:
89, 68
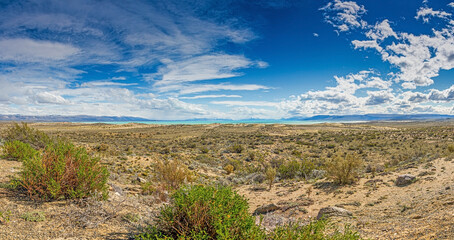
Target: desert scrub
26, 134
344, 169
315, 230
5, 217
36, 216
199, 212
17, 150
270, 176
63, 171
295, 168
173, 173
206, 212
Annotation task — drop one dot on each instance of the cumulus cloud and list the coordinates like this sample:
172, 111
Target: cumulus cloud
378, 97
381, 31
344, 15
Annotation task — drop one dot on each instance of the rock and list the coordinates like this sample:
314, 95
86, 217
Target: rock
405, 179
316, 174
265, 209
116, 189
333, 211
141, 180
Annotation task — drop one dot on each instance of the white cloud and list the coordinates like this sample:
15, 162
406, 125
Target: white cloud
47, 97
344, 15
367, 44
246, 103
183, 89
29, 50
381, 31
378, 97
212, 96
204, 67
424, 13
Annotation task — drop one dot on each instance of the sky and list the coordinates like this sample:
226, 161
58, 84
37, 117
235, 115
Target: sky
226, 59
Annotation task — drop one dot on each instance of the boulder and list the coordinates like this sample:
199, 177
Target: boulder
333, 211
405, 179
265, 209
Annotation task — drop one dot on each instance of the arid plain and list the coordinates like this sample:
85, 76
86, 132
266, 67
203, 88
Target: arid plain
286, 172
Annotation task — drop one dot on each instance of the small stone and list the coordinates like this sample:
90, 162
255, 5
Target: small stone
141, 180
265, 209
405, 179
333, 211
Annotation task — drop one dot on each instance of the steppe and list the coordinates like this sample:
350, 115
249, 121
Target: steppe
238, 155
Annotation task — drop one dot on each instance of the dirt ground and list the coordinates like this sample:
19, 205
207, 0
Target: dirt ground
380, 209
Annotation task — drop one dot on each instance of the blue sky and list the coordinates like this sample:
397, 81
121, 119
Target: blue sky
226, 59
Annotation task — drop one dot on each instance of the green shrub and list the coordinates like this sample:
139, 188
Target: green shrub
36, 216
295, 168
63, 171
26, 134
236, 148
270, 175
344, 169
16, 150
200, 212
5, 217
316, 230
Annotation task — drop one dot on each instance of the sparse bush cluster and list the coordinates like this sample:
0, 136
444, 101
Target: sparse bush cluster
19, 151
173, 173
64, 171
296, 168
53, 168
344, 169
206, 212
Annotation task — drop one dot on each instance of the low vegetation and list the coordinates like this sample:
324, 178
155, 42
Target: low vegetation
207, 212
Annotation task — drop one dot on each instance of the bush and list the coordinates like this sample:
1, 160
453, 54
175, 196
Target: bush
229, 168
236, 148
270, 175
63, 171
344, 169
16, 150
296, 168
315, 230
173, 173
25, 134
200, 212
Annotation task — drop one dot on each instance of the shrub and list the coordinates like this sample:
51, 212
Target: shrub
236, 148
25, 134
63, 171
316, 230
229, 168
36, 216
344, 169
200, 212
270, 175
451, 148
173, 173
16, 150
5, 217
296, 168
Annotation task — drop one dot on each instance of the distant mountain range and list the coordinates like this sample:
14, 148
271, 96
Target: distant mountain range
317, 118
